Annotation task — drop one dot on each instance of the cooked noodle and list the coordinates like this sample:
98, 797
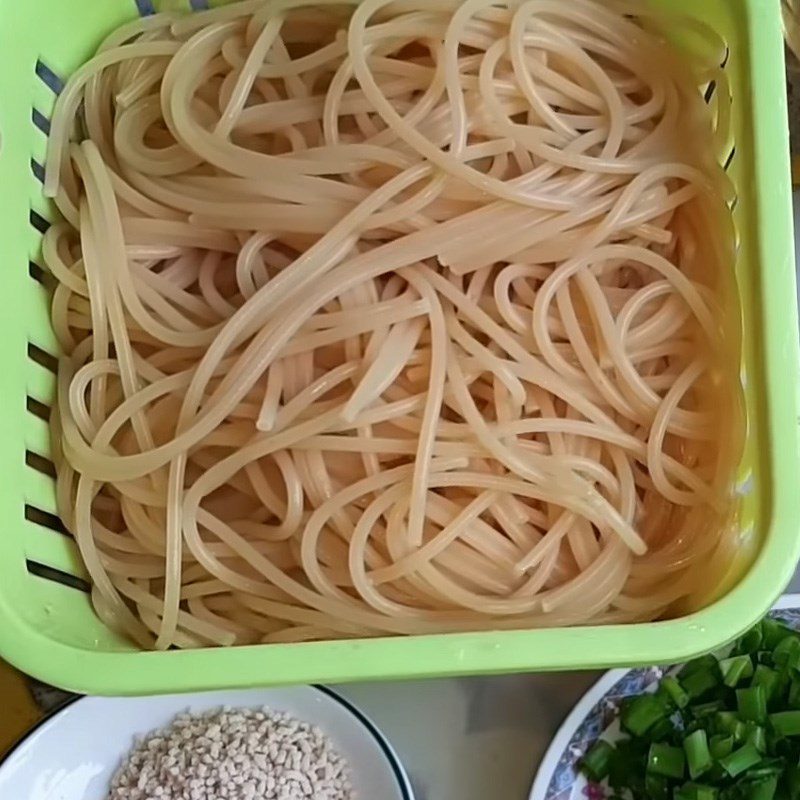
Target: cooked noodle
394, 318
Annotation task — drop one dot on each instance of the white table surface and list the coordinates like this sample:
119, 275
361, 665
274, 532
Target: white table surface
478, 738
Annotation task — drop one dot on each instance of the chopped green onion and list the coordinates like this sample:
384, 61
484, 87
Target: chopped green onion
759, 790
756, 736
661, 730
720, 746
768, 768
700, 683
671, 690
751, 641
764, 657
781, 693
695, 791
787, 653
725, 722
708, 662
792, 782
778, 745
740, 760
656, 787
698, 757
641, 714
665, 760
767, 678
628, 764
772, 632
706, 709
732, 723
597, 761
786, 723
736, 669
752, 704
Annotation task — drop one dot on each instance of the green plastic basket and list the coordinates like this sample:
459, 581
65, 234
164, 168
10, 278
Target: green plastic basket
47, 626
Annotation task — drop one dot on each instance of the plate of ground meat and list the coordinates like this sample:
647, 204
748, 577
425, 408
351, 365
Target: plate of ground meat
293, 743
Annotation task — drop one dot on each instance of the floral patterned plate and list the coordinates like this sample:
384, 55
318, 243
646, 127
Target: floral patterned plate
595, 715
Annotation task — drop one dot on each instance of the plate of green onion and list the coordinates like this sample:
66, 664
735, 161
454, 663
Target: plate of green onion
724, 726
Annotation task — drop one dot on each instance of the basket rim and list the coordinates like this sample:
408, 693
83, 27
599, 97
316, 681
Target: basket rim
494, 652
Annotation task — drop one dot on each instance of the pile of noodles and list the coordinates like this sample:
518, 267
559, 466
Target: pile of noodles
394, 318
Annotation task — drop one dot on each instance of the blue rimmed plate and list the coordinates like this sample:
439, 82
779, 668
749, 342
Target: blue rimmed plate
596, 715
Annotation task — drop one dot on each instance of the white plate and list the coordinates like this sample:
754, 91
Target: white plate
74, 753
596, 714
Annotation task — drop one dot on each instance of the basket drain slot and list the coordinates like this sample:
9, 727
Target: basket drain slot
37, 273
39, 222
38, 409
38, 170
45, 519
40, 464
57, 576
42, 357
40, 121
48, 77
145, 7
